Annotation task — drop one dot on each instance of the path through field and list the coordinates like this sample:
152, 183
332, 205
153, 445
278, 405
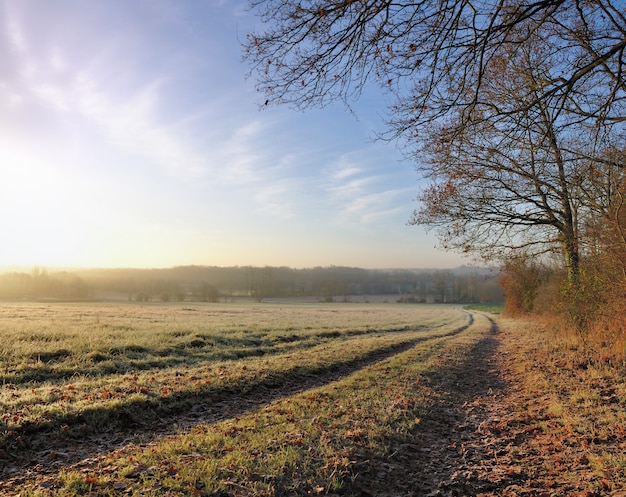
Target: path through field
475, 433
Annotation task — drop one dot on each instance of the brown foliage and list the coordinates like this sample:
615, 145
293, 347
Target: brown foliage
521, 280
607, 331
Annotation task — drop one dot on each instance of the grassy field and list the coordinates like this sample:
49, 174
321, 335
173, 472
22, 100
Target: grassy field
243, 399
490, 308
283, 399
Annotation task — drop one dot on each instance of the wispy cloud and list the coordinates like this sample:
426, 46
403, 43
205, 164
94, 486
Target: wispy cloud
345, 173
372, 207
275, 200
360, 193
239, 157
132, 126
52, 95
346, 191
14, 31
130, 121
134, 121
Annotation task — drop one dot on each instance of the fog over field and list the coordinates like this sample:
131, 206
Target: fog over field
212, 284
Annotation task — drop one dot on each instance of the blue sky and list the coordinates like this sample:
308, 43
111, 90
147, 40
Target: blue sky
130, 137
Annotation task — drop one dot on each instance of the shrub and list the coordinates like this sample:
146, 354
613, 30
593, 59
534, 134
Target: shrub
521, 280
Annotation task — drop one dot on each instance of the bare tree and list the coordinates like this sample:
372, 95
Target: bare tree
436, 55
512, 181
506, 103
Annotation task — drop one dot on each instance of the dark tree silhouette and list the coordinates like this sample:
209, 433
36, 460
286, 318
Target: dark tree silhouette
436, 55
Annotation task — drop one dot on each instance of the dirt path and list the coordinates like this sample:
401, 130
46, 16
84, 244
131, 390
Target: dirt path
455, 454
491, 433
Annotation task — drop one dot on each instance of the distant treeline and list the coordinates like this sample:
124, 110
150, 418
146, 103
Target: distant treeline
39, 284
211, 284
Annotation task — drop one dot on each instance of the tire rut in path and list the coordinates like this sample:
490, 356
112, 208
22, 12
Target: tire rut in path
450, 456
63, 452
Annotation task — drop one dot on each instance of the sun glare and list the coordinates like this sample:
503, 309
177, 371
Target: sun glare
43, 221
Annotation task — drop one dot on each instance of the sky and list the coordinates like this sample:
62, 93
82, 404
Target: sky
130, 136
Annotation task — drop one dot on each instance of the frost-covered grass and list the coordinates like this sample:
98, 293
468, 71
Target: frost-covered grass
84, 367
54, 342
309, 443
